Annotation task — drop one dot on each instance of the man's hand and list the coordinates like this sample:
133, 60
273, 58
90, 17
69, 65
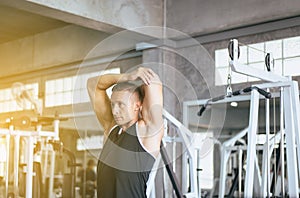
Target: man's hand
145, 74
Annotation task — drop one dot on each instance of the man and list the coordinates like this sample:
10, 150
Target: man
133, 129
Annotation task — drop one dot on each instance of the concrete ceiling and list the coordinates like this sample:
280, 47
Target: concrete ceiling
16, 24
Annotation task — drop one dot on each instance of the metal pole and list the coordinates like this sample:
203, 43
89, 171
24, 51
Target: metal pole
253, 124
290, 144
84, 168
267, 107
52, 165
45, 167
16, 163
29, 173
225, 154
282, 154
240, 171
11, 128
51, 173
198, 173
296, 117
170, 172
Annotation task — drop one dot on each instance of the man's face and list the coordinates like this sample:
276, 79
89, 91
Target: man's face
125, 106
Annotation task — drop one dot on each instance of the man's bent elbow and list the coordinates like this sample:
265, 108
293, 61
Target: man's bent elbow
91, 84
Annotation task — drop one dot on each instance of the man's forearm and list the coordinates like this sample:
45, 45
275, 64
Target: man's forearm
106, 81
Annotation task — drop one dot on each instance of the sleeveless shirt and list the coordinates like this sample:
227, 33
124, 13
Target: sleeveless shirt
123, 166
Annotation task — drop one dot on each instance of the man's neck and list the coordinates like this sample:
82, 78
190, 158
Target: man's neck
127, 125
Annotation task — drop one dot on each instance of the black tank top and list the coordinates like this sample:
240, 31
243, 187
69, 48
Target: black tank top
124, 166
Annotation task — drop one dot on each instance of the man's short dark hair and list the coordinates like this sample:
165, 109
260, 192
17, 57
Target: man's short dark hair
133, 88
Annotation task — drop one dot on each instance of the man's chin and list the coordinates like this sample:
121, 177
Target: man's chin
119, 122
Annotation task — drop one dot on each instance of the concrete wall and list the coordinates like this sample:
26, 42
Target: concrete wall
53, 48
106, 16
198, 17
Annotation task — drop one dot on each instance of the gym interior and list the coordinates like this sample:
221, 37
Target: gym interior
229, 69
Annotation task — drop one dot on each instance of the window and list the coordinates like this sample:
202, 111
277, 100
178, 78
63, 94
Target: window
286, 53
9, 104
70, 90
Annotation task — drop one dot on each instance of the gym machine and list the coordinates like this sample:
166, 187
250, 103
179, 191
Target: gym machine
290, 118
30, 153
31, 182
289, 129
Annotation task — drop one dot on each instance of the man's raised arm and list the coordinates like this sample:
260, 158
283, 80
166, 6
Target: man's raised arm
101, 103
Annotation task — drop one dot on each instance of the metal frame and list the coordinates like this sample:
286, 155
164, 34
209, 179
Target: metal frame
252, 168
290, 118
31, 137
225, 153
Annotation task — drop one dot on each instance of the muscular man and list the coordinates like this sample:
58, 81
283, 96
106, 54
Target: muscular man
133, 127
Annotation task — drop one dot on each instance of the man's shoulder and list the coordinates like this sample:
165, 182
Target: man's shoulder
147, 127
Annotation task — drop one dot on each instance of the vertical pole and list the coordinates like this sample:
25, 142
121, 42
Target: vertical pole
45, 167
184, 169
282, 154
84, 168
267, 107
257, 178
193, 169
29, 173
251, 151
11, 128
198, 174
240, 171
51, 173
296, 114
224, 161
290, 144
184, 154
52, 165
16, 163
56, 129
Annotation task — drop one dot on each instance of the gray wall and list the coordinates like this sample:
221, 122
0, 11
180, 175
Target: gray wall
198, 17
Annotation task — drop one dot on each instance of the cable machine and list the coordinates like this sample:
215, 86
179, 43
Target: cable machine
286, 140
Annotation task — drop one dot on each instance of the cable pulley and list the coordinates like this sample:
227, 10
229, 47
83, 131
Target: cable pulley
269, 61
231, 49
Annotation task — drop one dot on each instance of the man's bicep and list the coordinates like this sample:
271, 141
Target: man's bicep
102, 108
153, 103
100, 103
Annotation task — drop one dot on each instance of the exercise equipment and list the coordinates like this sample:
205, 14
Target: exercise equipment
69, 179
261, 183
29, 175
34, 183
170, 171
30, 138
266, 94
189, 161
291, 122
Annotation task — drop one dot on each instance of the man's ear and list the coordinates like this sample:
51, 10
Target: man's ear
138, 106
